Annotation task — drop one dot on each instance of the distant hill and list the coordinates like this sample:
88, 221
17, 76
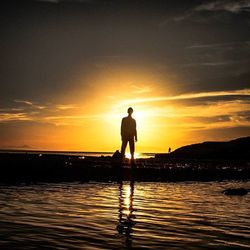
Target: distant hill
234, 149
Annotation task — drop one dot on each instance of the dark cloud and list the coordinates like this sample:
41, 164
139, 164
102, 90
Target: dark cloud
213, 100
66, 1
44, 47
214, 10
225, 5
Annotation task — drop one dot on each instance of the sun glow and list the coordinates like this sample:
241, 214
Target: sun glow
137, 155
89, 117
141, 116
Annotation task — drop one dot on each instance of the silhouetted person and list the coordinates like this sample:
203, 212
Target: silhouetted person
169, 150
128, 134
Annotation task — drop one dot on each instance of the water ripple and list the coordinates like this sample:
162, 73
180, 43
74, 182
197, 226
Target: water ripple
124, 215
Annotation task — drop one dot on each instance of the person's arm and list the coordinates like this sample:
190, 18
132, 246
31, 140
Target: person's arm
135, 132
122, 128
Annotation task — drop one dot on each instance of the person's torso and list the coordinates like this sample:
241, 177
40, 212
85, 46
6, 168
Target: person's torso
128, 126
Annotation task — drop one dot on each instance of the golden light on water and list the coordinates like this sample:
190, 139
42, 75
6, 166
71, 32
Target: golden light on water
127, 214
127, 199
136, 154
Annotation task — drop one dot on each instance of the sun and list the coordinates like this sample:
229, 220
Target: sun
136, 155
140, 116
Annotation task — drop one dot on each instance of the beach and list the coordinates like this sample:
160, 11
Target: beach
38, 167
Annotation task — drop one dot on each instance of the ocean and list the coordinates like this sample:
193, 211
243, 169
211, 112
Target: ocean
125, 215
75, 153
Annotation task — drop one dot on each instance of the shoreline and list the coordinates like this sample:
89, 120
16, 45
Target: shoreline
70, 153
18, 167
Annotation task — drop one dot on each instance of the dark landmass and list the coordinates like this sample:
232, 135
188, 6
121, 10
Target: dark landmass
235, 149
33, 168
198, 162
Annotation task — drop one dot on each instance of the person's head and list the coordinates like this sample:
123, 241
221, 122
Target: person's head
130, 111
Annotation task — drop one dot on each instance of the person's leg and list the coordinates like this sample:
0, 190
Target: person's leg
123, 148
132, 148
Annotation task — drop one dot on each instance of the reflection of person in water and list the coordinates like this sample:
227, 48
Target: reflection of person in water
128, 134
125, 215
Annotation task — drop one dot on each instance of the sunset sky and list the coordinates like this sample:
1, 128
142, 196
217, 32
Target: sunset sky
70, 69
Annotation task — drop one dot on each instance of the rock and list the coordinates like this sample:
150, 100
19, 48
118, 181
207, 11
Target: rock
116, 155
235, 191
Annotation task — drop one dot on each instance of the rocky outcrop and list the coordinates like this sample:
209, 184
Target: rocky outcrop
235, 149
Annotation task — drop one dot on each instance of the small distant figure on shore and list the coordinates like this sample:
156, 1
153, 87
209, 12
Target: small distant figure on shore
169, 150
128, 134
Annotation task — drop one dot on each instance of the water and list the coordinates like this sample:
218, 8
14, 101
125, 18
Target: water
125, 215
78, 153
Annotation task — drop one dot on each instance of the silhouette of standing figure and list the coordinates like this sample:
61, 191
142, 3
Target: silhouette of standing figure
128, 134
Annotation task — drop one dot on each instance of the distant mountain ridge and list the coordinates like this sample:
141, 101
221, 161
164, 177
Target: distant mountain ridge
234, 149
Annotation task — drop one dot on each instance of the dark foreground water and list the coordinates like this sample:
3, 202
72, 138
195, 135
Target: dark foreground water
126, 215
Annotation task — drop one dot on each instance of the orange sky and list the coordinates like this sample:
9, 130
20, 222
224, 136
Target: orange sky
88, 119
70, 70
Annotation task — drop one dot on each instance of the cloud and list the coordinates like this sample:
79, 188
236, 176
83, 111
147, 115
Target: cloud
66, 1
232, 6
70, 120
219, 45
6, 117
30, 111
233, 56
24, 102
213, 64
213, 116
57, 107
141, 89
11, 147
30, 103
49, 1
11, 109
228, 6
204, 110
66, 106
243, 92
